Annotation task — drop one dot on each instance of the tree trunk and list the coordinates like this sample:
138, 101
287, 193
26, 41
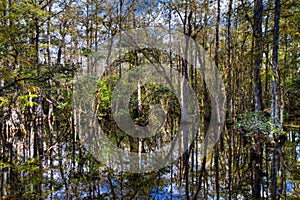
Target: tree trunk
258, 52
216, 155
229, 94
38, 137
274, 103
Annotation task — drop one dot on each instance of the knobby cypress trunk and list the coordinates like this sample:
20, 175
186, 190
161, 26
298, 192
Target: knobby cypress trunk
274, 97
275, 78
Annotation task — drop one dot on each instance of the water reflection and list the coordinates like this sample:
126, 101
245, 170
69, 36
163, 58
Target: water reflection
98, 182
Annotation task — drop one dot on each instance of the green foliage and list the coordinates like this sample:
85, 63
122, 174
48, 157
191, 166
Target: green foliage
75, 28
256, 123
104, 96
29, 165
27, 100
4, 164
3, 101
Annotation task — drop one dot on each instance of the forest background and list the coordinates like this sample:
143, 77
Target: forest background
45, 44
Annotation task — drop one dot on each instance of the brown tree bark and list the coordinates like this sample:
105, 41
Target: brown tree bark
216, 155
274, 98
258, 53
